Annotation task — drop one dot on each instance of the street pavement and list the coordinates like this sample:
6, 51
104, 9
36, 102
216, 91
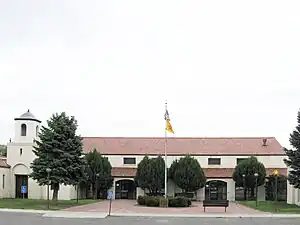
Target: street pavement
9, 218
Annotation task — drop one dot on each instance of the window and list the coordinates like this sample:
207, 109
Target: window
37, 131
3, 181
214, 161
21, 151
239, 160
128, 160
23, 129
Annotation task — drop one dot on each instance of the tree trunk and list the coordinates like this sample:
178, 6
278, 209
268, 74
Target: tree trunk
252, 192
55, 194
55, 188
245, 193
94, 190
90, 191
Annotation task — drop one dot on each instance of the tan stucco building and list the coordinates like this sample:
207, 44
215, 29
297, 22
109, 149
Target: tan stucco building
217, 156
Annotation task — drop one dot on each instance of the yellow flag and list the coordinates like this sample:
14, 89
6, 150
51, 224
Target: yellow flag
168, 123
169, 127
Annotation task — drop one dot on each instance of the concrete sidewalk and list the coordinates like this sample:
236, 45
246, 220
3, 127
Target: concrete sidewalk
130, 206
103, 215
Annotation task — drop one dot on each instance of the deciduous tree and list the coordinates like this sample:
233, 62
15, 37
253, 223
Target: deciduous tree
281, 187
248, 168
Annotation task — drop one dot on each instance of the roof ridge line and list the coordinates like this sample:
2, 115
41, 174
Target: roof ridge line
120, 137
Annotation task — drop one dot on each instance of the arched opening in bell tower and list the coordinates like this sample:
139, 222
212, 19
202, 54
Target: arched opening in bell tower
36, 130
23, 129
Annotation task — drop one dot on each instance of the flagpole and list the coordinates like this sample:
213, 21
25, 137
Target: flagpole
166, 163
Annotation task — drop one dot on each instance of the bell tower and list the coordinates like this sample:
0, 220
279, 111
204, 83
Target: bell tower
26, 128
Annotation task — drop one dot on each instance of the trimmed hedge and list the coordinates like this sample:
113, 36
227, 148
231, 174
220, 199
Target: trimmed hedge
154, 201
189, 195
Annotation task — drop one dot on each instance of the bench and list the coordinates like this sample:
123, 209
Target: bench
215, 203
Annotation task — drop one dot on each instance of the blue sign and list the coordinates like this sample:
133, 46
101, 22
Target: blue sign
110, 195
23, 189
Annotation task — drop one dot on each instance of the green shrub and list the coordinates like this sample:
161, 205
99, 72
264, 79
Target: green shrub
155, 201
179, 202
141, 200
189, 195
189, 202
163, 202
152, 201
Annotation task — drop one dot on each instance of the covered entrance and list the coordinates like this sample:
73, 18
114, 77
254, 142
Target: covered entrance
21, 183
216, 190
125, 189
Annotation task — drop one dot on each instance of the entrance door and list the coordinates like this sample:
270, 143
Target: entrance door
216, 190
21, 180
125, 189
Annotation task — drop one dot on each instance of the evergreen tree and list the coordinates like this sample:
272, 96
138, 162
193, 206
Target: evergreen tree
59, 149
150, 175
3, 150
143, 175
249, 167
293, 160
187, 174
98, 170
157, 168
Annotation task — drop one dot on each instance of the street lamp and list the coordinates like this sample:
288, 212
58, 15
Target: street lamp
276, 173
256, 176
48, 170
244, 185
208, 187
97, 183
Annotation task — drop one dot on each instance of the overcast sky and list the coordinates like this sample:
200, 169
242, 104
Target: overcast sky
227, 68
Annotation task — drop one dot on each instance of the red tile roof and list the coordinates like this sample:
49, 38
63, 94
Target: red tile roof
182, 146
123, 172
209, 172
3, 163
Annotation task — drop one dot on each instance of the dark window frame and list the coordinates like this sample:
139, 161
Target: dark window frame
212, 162
129, 160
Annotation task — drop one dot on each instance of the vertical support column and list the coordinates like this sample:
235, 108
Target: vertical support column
291, 195
114, 189
230, 190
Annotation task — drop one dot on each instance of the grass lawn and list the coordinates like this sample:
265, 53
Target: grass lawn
41, 204
274, 207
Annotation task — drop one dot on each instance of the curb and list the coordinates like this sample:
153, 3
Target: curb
78, 215
102, 215
25, 211
207, 215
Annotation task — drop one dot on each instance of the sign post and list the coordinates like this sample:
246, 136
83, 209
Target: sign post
109, 197
23, 190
